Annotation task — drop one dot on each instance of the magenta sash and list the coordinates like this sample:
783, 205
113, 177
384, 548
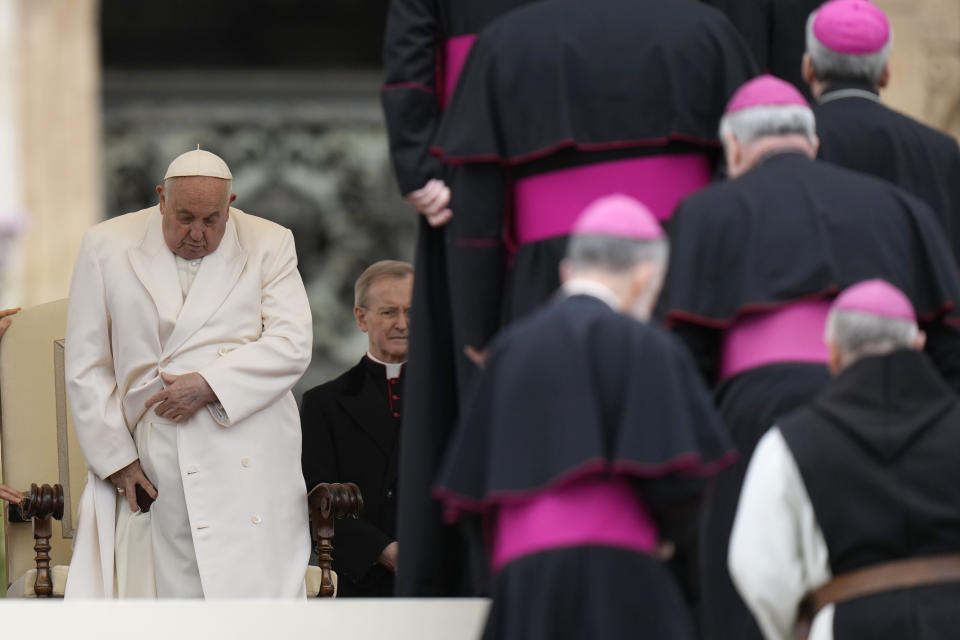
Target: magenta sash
793, 333
591, 511
547, 205
455, 52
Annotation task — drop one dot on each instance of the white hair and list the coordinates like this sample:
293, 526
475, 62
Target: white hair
617, 257
753, 123
614, 254
859, 334
831, 66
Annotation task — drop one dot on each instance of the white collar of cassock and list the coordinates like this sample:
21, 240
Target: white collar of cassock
585, 287
393, 368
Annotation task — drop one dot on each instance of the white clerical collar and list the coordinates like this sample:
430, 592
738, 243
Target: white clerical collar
592, 288
839, 94
393, 368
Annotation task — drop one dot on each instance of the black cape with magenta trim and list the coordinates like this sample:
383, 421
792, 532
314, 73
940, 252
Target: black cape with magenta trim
792, 228
577, 385
593, 75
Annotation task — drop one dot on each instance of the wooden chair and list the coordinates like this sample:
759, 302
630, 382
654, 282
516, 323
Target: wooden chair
327, 503
41, 505
37, 441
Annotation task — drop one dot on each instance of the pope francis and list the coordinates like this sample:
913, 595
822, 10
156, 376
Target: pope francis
187, 326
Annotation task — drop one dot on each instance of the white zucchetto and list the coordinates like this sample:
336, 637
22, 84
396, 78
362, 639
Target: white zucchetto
198, 163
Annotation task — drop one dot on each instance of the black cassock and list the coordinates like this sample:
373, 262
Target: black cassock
560, 85
635, 77
790, 229
776, 31
423, 48
571, 392
351, 430
885, 431
858, 132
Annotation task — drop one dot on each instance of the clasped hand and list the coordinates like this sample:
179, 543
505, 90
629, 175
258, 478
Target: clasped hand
184, 396
432, 200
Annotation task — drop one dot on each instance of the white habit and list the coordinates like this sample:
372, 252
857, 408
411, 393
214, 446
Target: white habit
777, 551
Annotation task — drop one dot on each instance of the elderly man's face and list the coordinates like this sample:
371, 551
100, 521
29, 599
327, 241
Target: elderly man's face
386, 317
195, 211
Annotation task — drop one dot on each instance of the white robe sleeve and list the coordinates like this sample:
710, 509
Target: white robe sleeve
777, 551
257, 374
90, 377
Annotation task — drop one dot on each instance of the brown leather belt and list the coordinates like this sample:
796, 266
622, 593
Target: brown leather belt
878, 578
888, 576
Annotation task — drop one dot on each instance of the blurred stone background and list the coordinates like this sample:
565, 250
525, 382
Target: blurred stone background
925, 80
96, 96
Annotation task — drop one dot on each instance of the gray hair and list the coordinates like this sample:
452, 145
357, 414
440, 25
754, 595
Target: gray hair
753, 123
614, 254
382, 269
831, 66
859, 334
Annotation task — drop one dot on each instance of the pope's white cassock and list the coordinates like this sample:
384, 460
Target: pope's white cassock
245, 326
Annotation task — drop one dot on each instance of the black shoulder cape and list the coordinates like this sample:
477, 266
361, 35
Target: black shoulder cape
792, 229
858, 132
562, 74
577, 388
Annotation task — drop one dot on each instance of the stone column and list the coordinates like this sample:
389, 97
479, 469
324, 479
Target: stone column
60, 137
925, 64
12, 216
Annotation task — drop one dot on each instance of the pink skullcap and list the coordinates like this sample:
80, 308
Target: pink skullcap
876, 297
765, 91
853, 27
618, 215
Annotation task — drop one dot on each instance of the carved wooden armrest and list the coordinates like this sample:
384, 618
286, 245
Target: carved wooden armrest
42, 504
328, 502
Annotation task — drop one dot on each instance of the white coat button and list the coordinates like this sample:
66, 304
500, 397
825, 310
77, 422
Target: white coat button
195, 263
245, 462
202, 526
192, 471
256, 520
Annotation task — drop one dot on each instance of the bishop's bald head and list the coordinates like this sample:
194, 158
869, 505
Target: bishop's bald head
195, 202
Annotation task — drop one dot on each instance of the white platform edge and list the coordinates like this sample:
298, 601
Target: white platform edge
346, 619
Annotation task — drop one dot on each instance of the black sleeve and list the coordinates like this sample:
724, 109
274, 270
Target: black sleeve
943, 347
409, 95
476, 253
357, 543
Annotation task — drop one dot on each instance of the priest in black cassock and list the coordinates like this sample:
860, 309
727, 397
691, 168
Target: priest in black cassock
846, 64
558, 103
584, 447
425, 46
351, 431
853, 501
754, 264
